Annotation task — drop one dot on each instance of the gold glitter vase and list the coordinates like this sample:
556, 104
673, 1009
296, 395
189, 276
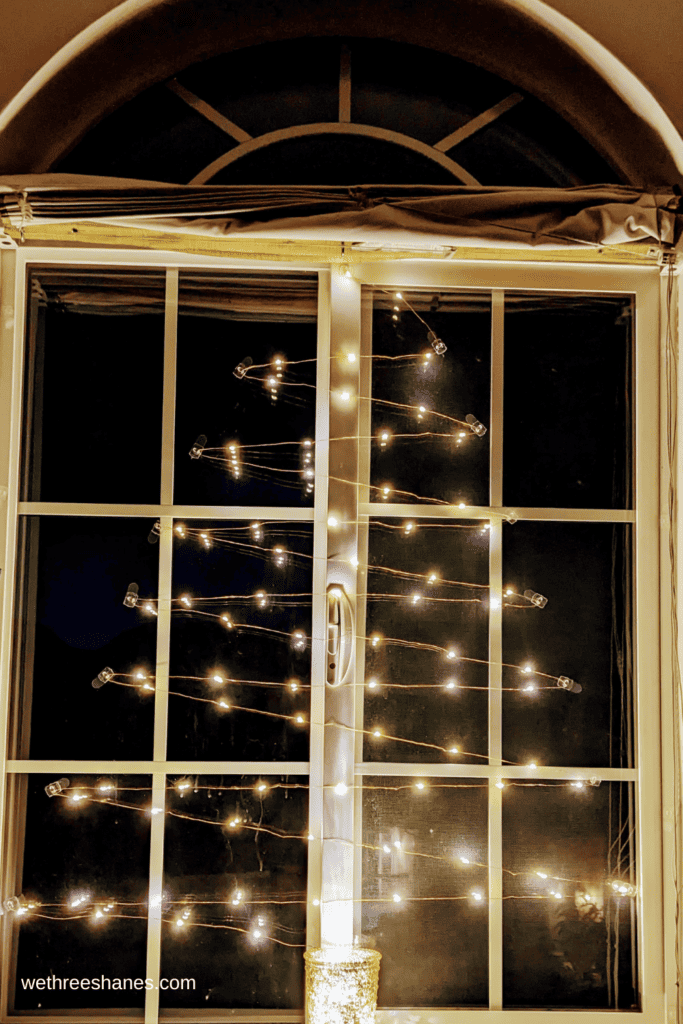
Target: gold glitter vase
341, 985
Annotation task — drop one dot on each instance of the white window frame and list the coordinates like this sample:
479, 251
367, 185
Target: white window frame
343, 322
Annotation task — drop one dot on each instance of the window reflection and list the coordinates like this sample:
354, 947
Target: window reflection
246, 376
85, 870
241, 640
235, 876
430, 372
424, 888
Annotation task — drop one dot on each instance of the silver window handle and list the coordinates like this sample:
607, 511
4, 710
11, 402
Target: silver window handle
339, 635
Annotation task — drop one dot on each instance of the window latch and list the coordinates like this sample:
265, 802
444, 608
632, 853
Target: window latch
339, 635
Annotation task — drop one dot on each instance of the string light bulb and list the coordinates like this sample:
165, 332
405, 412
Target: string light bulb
622, 887
475, 426
341, 789
55, 788
298, 641
241, 368
198, 447
102, 677
565, 683
536, 599
132, 595
437, 344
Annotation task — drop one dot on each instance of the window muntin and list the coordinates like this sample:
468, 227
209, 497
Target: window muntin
649, 879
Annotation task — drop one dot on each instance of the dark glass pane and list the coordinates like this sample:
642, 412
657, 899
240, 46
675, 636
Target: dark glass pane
226, 320
569, 936
434, 938
567, 401
92, 409
72, 625
235, 874
582, 634
414, 92
85, 865
420, 399
420, 684
246, 619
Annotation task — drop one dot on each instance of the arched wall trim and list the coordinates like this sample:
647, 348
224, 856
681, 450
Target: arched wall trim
537, 50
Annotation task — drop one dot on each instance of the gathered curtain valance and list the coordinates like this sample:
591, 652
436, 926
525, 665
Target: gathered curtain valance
382, 215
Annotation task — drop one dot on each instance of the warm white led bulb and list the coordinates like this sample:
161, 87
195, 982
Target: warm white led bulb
396, 898
332, 521
341, 789
419, 785
464, 860
500, 784
217, 678
453, 750
377, 733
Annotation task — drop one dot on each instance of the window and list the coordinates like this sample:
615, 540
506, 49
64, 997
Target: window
364, 574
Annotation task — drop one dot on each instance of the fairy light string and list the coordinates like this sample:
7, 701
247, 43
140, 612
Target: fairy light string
182, 914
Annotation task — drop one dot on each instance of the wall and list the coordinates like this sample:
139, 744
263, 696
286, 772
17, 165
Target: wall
647, 35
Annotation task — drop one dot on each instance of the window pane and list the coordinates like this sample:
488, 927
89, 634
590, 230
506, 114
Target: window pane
235, 874
567, 401
427, 617
578, 949
434, 939
230, 320
72, 624
240, 637
421, 399
582, 634
86, 863
92, 408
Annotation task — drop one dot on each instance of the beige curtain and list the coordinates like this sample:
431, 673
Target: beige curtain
429, 215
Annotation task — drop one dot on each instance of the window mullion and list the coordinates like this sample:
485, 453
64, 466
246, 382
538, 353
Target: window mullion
495, 813
319, 616
340, 701
156, 857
